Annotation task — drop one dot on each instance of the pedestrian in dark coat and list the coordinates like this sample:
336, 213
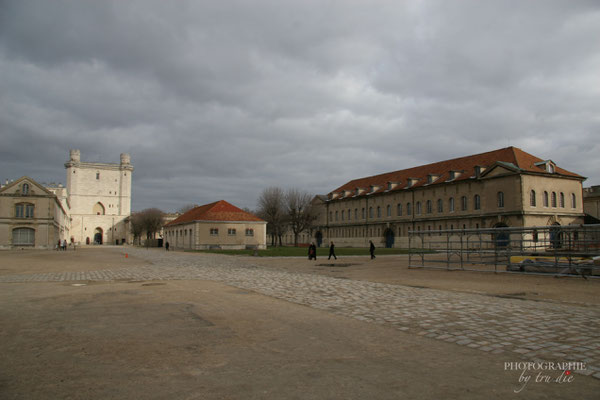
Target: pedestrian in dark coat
372, 249
332, 251
167, 246
312, 251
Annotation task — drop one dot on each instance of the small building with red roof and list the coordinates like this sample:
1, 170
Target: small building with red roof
218, 225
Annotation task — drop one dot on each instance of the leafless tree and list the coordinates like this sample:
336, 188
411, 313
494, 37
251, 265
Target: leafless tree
186, 208
153, 219
271, 208
149, 220
301, 214
137, 226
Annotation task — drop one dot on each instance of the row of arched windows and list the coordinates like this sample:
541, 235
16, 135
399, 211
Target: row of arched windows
347, 215
552, 199
548, 199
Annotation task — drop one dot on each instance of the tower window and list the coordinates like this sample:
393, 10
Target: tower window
97, 175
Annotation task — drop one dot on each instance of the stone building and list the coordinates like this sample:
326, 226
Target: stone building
99, 195
216, 225
500, 188
591, 203
31, 215
92, 209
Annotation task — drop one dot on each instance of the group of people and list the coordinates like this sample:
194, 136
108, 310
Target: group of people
62, 245
312, 251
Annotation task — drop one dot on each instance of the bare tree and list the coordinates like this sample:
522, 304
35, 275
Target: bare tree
300, 211
137, 226
186, 208
150, 220
271, 208
153, 219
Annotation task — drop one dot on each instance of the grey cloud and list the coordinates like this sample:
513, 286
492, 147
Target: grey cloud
221, 99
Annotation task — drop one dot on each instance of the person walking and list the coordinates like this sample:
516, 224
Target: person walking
167, 246
332, 251
372, 249
312, 251
64, 245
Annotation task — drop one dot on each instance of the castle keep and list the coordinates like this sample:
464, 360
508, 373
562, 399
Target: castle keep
99, 196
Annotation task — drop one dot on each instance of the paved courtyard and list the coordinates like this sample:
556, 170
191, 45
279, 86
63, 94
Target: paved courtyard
520, 329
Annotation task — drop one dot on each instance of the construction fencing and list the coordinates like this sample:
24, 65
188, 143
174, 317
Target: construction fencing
572, 250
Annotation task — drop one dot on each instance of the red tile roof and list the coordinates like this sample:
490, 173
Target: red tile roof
217, 211
511, 156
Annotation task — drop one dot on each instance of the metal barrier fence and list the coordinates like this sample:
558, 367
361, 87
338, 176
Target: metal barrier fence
571, 250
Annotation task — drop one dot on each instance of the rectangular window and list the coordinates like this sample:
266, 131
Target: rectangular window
214, 231
477, 202
249, 232
19, 211
231, 231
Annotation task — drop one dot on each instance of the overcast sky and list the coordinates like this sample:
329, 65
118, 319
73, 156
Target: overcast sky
220, 99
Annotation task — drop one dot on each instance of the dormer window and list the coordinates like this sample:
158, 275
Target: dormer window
454, 174
374, 188
432, 178
391, 185
479, 170
411, 182
358, 191
25, 189
347, 193
547, 165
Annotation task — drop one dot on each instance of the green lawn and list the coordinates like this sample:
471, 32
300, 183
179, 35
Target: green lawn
303, 251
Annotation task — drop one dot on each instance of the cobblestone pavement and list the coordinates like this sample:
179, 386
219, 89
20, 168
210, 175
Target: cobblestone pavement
520, 329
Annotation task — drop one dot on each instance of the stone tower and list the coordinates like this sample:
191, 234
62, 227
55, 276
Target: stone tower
99, 196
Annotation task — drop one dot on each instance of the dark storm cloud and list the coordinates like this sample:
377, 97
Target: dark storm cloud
217, 100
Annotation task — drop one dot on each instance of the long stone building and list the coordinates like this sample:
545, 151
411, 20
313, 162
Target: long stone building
501, 188
93, 208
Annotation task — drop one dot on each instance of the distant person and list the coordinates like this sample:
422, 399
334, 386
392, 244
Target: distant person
332, 251
167, 246
64, 245
312, 251
58, 246
372, 249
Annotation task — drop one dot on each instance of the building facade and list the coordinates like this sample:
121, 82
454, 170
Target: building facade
216, 225
31, 216
502, 188
99, 195
591, 202
93, 208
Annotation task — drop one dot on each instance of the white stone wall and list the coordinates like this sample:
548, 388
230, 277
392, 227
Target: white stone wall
91, 183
